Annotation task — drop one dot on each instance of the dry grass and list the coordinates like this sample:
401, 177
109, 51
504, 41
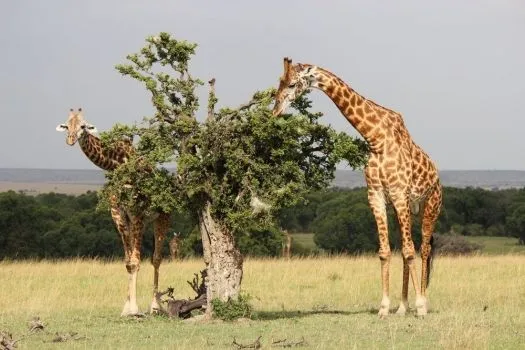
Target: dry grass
476, 303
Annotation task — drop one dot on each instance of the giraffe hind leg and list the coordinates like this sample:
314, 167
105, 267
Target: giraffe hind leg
133, 244
430, 216
402, 208
376, 199
403, 306
160, 228
123, 227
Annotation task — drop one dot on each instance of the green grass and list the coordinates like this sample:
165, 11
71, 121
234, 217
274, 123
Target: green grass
498, 245
306, 240
476, 303
491, 245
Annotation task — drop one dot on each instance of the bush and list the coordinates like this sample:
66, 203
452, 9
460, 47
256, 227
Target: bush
232, 309
454, 245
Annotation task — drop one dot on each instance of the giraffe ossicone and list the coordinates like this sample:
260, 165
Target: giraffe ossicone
398, 171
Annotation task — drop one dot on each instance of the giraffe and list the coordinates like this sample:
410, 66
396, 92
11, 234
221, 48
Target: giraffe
130, 225
287, 245
174, 245
398, 172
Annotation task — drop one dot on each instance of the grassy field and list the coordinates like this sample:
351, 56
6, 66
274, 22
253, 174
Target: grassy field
498, 245
491, 245
475, 303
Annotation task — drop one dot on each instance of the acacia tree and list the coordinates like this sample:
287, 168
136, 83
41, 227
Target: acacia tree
235, 169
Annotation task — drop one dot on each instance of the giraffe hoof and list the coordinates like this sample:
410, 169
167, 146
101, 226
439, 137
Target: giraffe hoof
421, 307
130, 314
155, 307
383, 313
401, 311
421, 313
130, 310
384, 307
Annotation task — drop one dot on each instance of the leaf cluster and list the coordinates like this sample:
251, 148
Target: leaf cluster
250, 164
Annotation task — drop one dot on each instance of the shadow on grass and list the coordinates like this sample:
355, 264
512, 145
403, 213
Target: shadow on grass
276, 315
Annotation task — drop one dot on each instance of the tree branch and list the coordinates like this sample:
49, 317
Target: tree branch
212, 100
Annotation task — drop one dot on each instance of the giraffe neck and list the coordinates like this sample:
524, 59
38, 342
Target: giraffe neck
364, 115
92, 148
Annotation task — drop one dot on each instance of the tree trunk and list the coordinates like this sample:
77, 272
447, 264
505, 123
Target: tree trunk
223, 260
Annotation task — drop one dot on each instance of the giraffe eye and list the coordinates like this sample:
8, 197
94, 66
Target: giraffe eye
292, 85
82, 127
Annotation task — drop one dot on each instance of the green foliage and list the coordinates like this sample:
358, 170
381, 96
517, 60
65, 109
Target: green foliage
62, 226
250, 164
232, 309
141, 184
260, 242
516, 221
59, 226
340, 222
345, 223
54, 226
245, 163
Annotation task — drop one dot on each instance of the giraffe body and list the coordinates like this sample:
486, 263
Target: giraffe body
129, 225
398, 171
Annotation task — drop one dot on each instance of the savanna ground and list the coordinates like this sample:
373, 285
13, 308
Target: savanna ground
475, 303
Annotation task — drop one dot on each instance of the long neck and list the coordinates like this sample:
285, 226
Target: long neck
364, 115
92, 148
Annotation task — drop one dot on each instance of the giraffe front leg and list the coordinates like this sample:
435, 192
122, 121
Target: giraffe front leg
133, 243
160, 228
130, 307
122, 224
377, 202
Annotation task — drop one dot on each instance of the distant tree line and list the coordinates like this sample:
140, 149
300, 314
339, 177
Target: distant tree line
62, 226
55, 226
343, 222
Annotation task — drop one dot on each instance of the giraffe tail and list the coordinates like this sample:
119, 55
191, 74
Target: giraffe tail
430, 259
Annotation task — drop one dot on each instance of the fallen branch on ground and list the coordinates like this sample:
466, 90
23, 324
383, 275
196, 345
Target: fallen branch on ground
182, 308
60, 338
288, 344
6, 339
255, 345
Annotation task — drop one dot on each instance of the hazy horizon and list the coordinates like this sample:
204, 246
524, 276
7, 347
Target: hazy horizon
455, 70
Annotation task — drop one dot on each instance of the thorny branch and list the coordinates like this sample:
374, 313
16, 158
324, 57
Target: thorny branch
35, 325
182, 308
212, 100
199, 287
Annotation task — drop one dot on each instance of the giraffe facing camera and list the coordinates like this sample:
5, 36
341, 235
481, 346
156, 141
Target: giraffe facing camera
130, 225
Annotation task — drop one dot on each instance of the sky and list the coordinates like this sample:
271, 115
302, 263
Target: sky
454, 69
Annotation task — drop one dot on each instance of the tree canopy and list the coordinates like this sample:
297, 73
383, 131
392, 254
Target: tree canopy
245, 163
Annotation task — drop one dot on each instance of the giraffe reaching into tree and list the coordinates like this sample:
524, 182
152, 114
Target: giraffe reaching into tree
129, 225
398, 171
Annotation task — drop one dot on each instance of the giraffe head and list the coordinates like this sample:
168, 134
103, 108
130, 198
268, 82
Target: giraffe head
75, 126
294, 81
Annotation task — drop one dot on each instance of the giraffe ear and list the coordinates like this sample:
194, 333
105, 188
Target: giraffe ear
61, 127
91, 128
